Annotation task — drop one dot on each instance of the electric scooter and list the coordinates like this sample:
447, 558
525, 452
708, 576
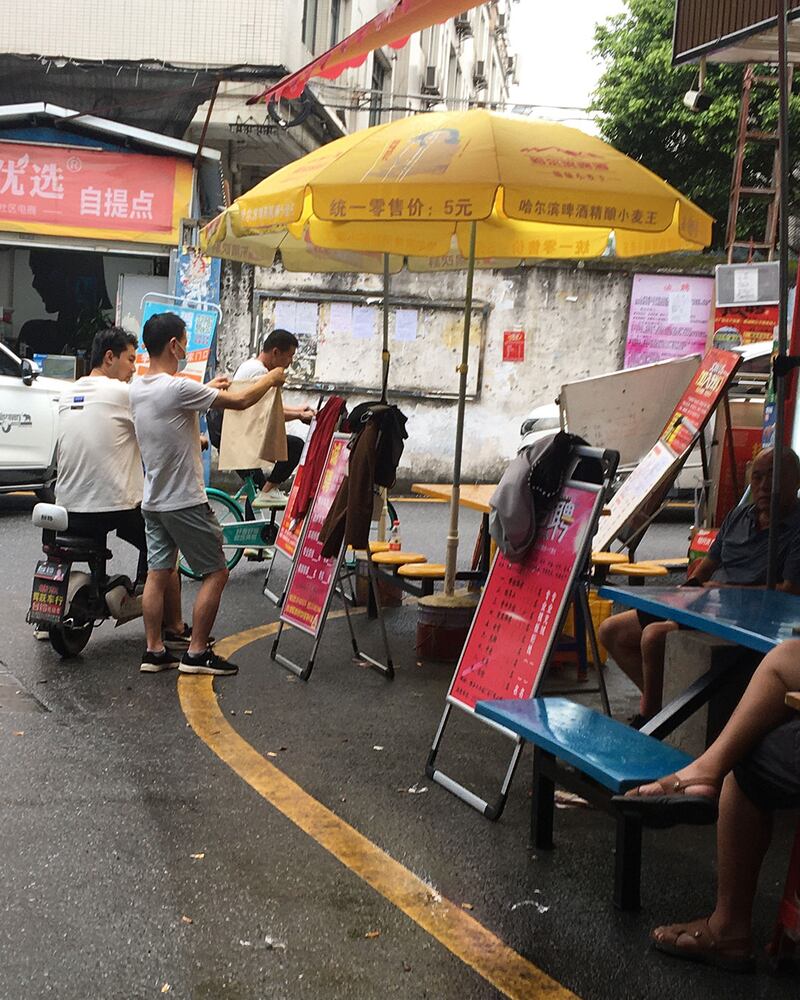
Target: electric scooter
67, 603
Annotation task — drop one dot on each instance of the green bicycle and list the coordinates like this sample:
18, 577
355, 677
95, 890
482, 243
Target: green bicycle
241, 526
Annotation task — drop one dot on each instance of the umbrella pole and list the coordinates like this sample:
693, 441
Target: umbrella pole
386, 358
385, 355
452, 538
783, 259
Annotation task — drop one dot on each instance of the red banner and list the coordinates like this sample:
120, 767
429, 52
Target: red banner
312, 577
744, 325
516, 621
88, 192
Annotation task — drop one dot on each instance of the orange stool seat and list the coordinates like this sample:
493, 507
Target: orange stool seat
396, 557
609, 558
378, 547
422, 571
639, 570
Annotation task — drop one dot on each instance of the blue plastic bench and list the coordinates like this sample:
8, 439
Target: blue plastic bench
595, 757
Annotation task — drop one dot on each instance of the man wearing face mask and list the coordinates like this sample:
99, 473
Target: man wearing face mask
166, 410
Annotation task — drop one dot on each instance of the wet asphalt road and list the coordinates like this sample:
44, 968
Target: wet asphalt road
107, 794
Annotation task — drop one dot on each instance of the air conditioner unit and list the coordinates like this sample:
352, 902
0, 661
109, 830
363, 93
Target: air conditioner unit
463, 24
430, 82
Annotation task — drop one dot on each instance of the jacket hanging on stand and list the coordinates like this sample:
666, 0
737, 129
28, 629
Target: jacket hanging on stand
375, 451
529, 487
311, 470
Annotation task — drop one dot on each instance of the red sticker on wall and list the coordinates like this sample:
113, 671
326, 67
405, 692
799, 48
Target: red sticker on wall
513, 345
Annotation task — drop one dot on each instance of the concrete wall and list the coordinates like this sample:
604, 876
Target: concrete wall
575, 322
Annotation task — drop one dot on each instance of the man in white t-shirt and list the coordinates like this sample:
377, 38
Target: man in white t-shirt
277, 351
177, 516
100, 476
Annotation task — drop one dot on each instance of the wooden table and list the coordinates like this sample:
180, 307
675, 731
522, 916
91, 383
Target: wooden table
476, 497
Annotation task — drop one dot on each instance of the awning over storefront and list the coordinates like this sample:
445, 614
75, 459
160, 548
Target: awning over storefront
392, 27
737, 31
68, 178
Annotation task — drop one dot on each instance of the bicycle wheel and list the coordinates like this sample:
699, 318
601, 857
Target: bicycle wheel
226, 510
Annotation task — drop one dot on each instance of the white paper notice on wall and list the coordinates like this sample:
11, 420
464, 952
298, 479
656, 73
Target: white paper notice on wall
680, 308
341, 318
306, 318
745, 284
285, 316
405, 324
363, 322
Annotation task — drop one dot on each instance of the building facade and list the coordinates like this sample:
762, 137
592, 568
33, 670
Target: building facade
186, 48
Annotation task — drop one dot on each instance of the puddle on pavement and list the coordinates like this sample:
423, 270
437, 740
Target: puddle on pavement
14, 698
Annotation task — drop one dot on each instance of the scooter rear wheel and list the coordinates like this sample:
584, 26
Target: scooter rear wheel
69, 640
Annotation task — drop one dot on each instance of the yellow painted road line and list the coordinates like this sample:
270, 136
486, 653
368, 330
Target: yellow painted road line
513, 975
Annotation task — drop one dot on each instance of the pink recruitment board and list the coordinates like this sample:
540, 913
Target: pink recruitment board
516, 621
668, 317
312, 578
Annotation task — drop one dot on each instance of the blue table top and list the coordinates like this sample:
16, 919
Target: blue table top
612, 753
757, 619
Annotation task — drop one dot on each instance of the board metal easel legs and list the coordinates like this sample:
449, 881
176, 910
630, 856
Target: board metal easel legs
304, 672
493, 810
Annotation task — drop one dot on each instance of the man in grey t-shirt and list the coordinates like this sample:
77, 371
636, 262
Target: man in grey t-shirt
165, 410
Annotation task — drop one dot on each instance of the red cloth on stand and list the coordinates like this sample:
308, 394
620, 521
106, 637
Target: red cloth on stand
311, 470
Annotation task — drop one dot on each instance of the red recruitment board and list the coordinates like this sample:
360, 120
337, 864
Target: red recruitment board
291, 526
517, 618
698, 402
313, 576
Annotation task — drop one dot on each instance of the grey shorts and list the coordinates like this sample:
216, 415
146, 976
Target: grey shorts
194, 531
770, 775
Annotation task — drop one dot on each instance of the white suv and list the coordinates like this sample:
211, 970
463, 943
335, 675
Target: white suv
28, 422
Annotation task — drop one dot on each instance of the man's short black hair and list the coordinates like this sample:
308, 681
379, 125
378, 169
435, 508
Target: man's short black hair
159, 330
114, 339
280, 339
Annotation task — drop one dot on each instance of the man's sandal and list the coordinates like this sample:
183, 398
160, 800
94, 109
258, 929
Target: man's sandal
674, 806
700, 945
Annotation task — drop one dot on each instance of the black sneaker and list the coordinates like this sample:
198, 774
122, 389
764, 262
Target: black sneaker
154, 663
179, 641
206, 663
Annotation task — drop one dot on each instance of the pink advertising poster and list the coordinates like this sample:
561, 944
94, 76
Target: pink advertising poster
668, 318
515, 623
312, 576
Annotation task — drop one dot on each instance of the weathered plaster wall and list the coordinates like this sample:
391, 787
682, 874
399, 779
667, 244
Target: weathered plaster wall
575, 321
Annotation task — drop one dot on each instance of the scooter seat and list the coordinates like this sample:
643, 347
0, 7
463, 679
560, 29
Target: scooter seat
82, 544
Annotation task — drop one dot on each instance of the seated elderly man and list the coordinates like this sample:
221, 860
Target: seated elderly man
749, 771
738, 558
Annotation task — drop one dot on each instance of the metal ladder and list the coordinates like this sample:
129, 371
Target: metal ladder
748, 135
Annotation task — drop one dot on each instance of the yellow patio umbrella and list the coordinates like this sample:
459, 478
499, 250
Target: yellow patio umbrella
461, 186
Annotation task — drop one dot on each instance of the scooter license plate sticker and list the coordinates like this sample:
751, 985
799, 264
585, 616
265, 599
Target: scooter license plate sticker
49, 596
